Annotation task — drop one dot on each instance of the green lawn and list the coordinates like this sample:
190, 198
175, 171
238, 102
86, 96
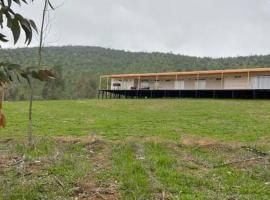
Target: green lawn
117, 119
137, 149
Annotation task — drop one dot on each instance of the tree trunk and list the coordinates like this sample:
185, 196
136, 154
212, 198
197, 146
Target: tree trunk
2, 116
30, 123
30, 128
42, 33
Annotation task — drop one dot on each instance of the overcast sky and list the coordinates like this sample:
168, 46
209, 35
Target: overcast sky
216, 28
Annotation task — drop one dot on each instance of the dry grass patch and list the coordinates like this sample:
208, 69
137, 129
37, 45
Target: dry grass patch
251, 163
89, 139
5, 161
196, 164
197, 141
211, 153
97, 190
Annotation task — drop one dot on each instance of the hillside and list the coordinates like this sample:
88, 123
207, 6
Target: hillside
80, 66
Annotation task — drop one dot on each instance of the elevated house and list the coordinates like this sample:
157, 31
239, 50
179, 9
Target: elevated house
233, 83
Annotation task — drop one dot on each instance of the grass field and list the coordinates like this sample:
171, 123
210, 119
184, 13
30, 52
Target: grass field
137, 149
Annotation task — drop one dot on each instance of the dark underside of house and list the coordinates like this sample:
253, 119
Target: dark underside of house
221, 94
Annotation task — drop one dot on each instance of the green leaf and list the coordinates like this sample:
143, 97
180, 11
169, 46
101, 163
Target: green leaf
16, 30
51, 6
25, 75
27, 30
9, 3
24, 1
8, 74
9, 19
3, 38
18, 77
32, 23
3, 78
1, 20
13, 66
17, 1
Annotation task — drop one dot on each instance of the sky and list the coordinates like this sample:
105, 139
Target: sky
213, 28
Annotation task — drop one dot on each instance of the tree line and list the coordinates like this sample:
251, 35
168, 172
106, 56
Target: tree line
78, 68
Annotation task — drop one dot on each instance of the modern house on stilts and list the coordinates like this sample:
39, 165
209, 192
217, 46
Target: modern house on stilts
234, 83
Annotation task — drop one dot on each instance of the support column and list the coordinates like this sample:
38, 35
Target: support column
139, 83
222, 80
107, 83
156, 83
198, 76
248, 81
197, 90
176, 78
100, 80
180, 89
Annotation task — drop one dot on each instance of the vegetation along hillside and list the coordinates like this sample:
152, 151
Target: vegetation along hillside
79, 67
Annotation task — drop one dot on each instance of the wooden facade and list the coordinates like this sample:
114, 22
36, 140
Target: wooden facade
240, 83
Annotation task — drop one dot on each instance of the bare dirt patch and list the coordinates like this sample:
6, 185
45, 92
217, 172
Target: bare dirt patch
245, 163
248, 164
99, 151
237, 154
191, 141
35, 167
200, 165
89, 139
140, 139
90, 189
197, 141
5, 161
7, 140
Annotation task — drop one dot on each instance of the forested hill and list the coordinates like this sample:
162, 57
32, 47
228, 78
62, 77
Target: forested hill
100, 60
80, 66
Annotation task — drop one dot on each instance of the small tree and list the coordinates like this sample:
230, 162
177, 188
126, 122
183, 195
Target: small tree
16, 22
10, 73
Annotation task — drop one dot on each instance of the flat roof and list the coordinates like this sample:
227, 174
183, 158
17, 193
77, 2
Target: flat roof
188, 73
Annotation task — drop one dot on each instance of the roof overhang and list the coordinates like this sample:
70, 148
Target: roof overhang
190, 73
